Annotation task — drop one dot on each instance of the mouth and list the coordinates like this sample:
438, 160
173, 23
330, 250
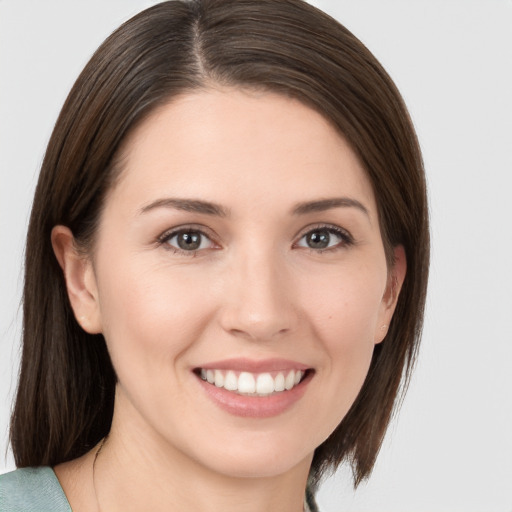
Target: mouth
252, 388
251, 384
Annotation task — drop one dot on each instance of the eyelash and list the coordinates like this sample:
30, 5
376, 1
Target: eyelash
165, 237
346, 239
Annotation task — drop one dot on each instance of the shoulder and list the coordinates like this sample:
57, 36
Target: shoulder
31, 490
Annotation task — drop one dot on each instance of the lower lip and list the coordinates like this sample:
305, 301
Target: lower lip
255, 406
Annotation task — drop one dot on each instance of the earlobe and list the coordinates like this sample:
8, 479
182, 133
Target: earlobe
80, 279
396, 278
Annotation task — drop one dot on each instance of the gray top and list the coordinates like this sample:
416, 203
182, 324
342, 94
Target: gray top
32, 490
38, 490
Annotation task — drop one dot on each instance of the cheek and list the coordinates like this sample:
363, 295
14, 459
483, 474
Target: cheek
346, 310
345, 316
149, 319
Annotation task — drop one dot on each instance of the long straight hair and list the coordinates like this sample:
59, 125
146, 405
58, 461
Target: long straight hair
65, 396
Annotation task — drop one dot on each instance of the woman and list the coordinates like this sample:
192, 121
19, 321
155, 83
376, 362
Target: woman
226, 266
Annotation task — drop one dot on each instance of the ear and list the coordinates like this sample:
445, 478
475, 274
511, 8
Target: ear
396, 276
80, 280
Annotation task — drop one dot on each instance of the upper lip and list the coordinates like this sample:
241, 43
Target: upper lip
255, 366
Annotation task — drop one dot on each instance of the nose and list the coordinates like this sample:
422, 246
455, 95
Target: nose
259, 301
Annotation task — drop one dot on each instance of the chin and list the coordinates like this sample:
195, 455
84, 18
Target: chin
259, 467
256, 459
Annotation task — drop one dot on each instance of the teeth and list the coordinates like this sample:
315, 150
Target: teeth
279, 382
289, 381
265, 384
219, 379
247, 383
231, 381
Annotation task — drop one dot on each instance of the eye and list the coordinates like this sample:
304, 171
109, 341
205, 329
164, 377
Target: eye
187, 240
325, 237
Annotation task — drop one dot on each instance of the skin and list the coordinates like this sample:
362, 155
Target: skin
254, 289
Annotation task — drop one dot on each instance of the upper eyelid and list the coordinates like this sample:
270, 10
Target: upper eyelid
164, 239
321, 225
169, 233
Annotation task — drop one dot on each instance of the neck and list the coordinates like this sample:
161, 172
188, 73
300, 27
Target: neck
139, 471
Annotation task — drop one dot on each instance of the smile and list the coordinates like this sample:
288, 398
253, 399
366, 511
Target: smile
254, 388
252, 384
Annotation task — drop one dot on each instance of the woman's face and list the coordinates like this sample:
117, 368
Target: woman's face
241, 245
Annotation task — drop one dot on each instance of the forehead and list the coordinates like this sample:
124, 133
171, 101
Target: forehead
239, 146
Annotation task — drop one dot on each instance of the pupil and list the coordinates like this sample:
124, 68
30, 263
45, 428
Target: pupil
189, 241
318, 239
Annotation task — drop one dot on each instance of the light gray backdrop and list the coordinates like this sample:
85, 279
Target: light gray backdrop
451, 447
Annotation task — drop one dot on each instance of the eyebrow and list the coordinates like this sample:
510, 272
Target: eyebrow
208, 208
327, 204
187, 205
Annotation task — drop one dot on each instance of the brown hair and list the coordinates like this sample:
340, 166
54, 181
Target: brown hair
65, 396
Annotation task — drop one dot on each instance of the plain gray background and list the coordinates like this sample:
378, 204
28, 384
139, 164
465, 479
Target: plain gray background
450, 449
